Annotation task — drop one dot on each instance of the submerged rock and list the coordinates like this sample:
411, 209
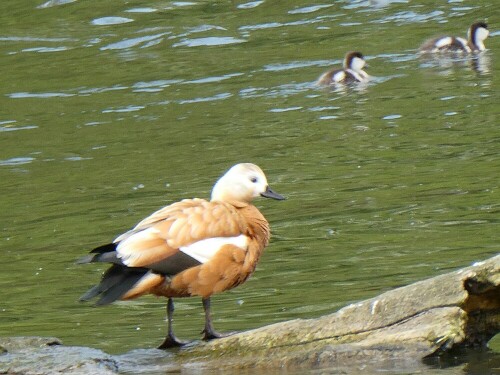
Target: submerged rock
47, 355
12, 344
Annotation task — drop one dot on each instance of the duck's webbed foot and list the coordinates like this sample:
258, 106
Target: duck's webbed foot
172, 342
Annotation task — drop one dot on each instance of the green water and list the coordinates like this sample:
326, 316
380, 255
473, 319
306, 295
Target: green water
104, 120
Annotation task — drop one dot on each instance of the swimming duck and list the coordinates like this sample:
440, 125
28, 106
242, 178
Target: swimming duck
354, 63
476, 35
194, 247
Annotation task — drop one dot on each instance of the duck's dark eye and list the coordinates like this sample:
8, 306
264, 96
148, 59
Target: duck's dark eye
254, 179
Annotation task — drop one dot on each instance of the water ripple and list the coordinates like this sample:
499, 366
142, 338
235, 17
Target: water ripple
129, 108
215, 79
287, 109
46, 49
309, 9
12, 128
410, 17
98, 90
128, 43
384, 3
34, 39
154, 86
275, 92
43, 95
391, 117
221, 96
54, 3
76, 158
272, 25
16, 161
297, 64
320, 109
252, 4
183, 3
141, 10
203, 28
106, 21
208, 41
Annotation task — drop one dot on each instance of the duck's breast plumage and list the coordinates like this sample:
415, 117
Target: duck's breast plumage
232, 263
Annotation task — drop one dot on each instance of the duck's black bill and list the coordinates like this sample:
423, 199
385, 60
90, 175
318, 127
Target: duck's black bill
271, 194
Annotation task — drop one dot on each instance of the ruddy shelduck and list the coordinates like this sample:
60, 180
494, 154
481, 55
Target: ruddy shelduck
190, 248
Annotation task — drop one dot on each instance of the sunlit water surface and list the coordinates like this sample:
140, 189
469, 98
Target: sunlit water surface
110, 110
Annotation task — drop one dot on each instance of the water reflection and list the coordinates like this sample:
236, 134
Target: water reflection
480, 63
345, 88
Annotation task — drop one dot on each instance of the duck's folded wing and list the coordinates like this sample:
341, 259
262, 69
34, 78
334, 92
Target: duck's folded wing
181, 235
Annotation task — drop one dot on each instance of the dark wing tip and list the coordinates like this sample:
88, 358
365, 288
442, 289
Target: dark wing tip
86, 259
89, 294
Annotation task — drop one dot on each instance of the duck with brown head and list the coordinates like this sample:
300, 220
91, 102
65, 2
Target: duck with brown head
190, 248
476, 35
352, 71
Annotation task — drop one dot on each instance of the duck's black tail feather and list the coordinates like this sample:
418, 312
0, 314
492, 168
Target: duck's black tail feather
116, 281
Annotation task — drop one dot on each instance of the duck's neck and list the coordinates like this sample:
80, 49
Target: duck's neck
258, 227
476, 40
479, 45
258, 230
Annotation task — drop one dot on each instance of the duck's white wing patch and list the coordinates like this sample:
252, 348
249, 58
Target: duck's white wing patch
339, 76
204, 250
443, 42
127, 248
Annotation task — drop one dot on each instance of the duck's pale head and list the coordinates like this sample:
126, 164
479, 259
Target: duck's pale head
477, 34
354, 61
243, 183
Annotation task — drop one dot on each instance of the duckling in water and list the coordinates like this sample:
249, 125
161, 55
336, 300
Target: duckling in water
476, 36
354, 62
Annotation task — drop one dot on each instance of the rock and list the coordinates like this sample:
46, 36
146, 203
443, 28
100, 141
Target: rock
455, 310
42, 355
12, 344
